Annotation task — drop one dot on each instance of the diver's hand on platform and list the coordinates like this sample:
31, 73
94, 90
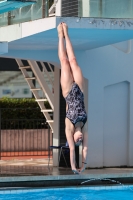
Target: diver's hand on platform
82, 169
75, 171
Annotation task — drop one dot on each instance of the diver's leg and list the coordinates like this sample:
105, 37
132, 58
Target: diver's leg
84, 148
66, 73
77, 73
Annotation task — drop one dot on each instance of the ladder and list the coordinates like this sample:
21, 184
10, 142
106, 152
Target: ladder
43, 92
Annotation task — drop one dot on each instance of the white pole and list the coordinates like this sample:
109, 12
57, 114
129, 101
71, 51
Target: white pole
56, 114
58, 7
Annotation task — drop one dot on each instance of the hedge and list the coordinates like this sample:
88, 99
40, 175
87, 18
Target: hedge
21, 109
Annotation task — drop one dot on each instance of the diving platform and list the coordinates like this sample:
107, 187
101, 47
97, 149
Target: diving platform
41, 176
37, 40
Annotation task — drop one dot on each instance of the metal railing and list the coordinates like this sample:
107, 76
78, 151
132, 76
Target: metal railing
97, 8
38, 10
69, 8
23, 137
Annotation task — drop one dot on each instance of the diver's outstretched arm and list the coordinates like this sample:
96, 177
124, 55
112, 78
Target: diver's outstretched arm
84, 149
69, 135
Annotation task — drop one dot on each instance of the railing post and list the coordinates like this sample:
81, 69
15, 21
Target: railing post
56, 127
48, 141
43, 8
101, 8
0, 133
46, 8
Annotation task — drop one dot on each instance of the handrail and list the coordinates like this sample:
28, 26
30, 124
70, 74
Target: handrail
18, 11
9, 5
64, 8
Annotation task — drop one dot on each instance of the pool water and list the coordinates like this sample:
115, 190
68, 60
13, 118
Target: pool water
76, 193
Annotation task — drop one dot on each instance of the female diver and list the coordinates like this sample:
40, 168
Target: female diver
72, 83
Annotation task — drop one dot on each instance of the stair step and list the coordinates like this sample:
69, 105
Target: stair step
47, 110
34, 89
25, 67
51, 15
30, 78
50, 121
41, 100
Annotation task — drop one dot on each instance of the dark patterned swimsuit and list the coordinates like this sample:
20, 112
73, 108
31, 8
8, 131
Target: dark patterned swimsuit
76, 108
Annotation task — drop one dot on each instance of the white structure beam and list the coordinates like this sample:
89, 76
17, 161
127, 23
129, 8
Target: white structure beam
58, 7
85, 8
56, 114
21, 30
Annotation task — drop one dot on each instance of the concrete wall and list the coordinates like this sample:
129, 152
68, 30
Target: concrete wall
110, 105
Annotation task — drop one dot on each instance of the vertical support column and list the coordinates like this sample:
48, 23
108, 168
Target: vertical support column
86, 106
85, 8
49, 141
56, 114
130, 136
43, 8
0, 134
58, 7
46, 8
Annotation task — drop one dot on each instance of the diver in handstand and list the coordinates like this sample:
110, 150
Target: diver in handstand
72, 83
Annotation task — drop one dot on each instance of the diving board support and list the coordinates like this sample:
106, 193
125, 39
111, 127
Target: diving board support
56, 127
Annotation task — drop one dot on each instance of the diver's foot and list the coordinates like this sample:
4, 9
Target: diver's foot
60, 30
65, 29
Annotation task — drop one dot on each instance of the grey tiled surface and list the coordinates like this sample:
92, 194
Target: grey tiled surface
36, 170
62, 174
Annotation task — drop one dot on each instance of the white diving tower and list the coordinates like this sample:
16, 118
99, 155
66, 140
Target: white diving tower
33, 37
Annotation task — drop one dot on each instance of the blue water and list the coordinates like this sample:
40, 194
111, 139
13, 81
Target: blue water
119, 193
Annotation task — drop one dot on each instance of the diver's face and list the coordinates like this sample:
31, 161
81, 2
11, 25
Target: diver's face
78, 137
